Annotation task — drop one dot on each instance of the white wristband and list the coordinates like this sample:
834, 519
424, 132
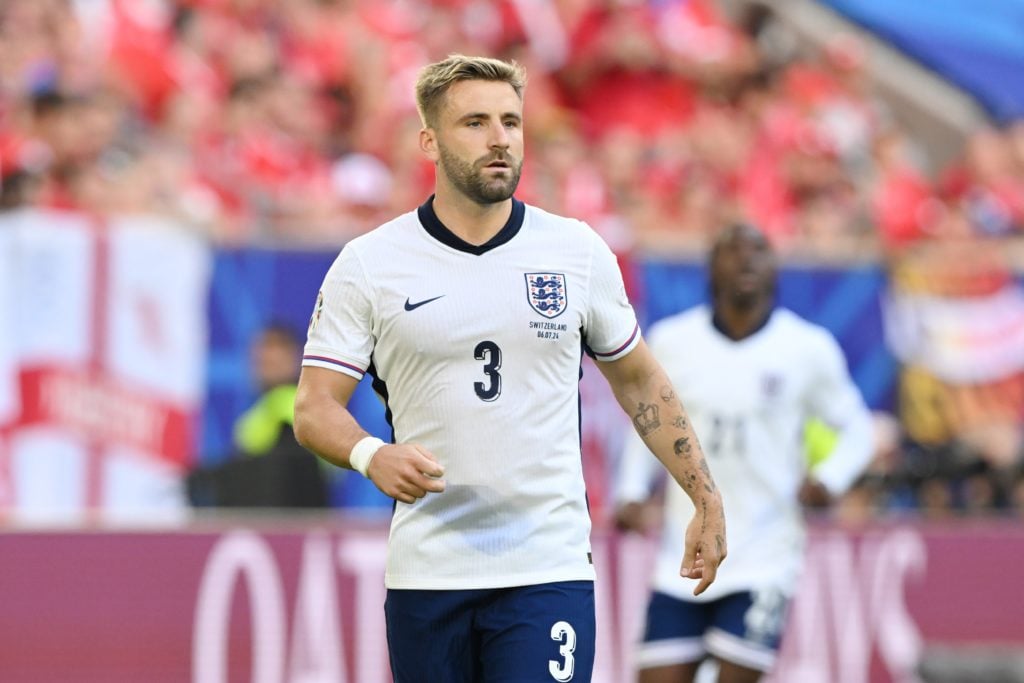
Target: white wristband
363, 452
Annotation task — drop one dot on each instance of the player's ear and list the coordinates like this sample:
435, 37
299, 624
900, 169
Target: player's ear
428, 143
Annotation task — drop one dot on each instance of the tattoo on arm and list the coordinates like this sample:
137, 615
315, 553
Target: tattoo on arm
709, 485
667, 394
679, 422
646, 420
703, 516
682, 446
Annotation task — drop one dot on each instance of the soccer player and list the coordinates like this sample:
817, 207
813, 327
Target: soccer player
751, 374
471, 313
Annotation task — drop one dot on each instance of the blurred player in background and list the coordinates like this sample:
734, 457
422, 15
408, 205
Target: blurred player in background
470, 313
751, 375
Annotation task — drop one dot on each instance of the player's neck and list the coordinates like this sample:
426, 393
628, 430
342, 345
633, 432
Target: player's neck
739, 323
474, 223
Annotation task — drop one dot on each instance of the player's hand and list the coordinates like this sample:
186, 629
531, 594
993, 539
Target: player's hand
813, 494
705, 543
406, 472
635, 517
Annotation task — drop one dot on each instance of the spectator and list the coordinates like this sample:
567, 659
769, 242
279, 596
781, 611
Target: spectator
267, 466
935, 497
1017, 495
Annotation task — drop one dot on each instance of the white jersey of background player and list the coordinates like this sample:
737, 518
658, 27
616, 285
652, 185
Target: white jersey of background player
751, 375
471, 314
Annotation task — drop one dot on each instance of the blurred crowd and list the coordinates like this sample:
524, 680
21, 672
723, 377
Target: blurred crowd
653, 120
293, 122
951, 480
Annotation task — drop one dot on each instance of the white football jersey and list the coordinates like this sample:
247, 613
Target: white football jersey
476, 351
748, 401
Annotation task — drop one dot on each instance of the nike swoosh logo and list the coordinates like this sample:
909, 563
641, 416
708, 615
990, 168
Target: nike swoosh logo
413, 307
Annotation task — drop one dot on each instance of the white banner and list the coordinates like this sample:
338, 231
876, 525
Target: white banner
101, 373
964, 340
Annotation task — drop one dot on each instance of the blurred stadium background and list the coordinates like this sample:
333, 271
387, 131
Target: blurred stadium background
177, 175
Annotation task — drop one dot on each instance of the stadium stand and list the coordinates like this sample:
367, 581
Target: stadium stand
290, 124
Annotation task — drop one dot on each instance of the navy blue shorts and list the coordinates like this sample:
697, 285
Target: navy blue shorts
743, 628
524, 634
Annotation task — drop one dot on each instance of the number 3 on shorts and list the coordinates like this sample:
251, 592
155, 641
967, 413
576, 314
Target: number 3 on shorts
562, 632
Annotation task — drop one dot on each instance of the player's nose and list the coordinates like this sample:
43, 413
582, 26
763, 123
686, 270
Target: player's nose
499, 137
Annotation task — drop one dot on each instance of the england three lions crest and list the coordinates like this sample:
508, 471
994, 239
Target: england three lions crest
546, 293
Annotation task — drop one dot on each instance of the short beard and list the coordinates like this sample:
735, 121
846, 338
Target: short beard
468, 179
745, 301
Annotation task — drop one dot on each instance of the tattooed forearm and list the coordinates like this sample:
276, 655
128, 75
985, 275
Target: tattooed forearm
709, 483
646, 420
657, 402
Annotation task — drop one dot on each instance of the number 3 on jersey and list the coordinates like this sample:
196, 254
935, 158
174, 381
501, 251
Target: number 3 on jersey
490, 353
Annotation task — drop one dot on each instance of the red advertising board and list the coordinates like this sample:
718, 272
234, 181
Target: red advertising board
301, 602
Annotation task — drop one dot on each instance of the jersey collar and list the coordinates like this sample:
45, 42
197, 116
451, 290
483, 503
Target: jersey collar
436, 229
716, 322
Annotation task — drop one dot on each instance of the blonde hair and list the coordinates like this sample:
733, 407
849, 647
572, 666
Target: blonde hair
435, 79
